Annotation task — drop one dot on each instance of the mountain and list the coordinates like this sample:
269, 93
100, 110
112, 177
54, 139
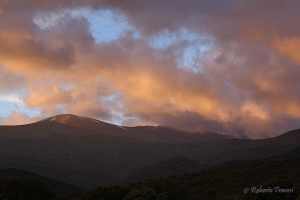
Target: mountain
88, 157
78, 156
58, 187
156, 133
171, 135
86, 123
173, 166
292, 154
181, 165
227, 183
285, 155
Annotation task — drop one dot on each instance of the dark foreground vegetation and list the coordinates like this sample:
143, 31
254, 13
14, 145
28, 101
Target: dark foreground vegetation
24, 188
225, 183
59, 188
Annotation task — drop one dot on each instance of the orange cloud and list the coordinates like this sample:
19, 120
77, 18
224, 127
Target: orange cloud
289, 47
244, 83
255, 110
19, 119
48, 96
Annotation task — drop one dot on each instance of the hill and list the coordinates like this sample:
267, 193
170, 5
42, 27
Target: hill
171, 135
78, 156
294, 153
227, 183
58, 187
156, 133
180, 165
89, 158
174, 166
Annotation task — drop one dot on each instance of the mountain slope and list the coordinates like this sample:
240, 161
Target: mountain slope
172, 166
294, 153
78, 156
171, 135
90, 124
88, 158
58, 187
226, 183
155, 133
180, 165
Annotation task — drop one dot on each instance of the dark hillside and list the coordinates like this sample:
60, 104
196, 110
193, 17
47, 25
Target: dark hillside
58, 187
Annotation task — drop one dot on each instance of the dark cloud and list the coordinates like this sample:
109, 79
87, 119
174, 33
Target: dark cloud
10, 82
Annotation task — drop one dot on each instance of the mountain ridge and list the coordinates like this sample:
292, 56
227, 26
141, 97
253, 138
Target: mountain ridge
167, 134
89, 158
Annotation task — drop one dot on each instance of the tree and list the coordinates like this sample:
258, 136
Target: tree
24, 188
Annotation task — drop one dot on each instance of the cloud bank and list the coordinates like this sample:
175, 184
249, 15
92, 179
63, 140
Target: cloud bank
241, 78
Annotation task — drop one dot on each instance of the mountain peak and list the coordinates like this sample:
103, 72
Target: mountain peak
65, 118
91, 125
167, 134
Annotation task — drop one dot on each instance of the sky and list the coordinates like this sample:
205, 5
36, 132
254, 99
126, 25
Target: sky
229, 66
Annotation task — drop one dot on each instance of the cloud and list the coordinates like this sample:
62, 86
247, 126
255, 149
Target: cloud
19, 119
48, 96
28, 48
250, 108
289, 47
10, 82
1, 119
242, 79
14, 99
86, 101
